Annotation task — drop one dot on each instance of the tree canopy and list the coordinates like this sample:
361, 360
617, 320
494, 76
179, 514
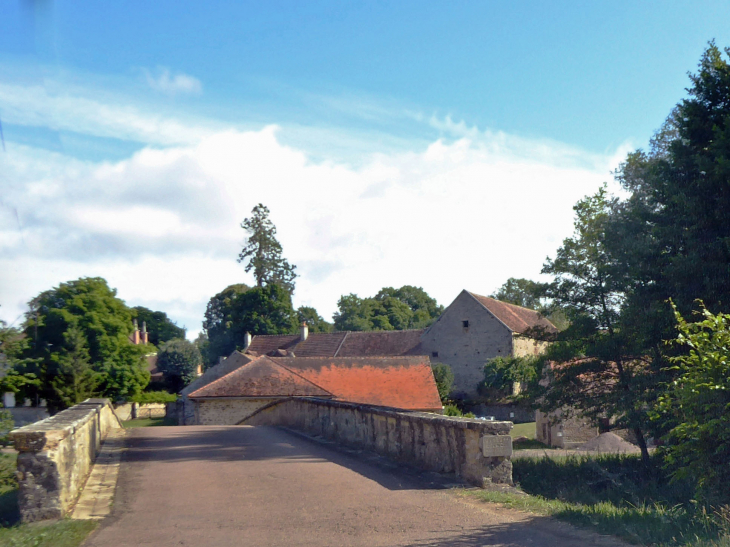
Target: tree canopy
100, 323
315, 322
178, 360
263, 253
391, 309
160, 328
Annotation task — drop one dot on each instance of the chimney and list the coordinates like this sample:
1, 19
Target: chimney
303, 331
145, 335
135, 334
246, 341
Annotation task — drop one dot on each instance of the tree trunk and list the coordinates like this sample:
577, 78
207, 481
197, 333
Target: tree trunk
642, 445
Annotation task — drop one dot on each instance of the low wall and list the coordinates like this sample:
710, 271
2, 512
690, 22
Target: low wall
56, 455
24, 415
474, 450
134, 411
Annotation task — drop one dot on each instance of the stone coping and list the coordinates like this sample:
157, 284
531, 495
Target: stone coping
49, 432
484, 426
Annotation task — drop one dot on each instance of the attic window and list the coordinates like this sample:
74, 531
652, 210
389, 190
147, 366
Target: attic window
434, 354
465, 324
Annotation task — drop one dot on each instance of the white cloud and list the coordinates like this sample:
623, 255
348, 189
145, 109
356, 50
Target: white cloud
163, 225
168, 83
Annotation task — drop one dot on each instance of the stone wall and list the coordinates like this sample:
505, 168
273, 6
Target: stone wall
56, 455
226, 411
554, 429
466, 349
134, 411
427, 441
24, 415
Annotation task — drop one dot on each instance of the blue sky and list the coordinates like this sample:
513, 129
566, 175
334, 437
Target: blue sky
350, 108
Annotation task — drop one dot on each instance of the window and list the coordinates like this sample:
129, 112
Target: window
434, 354
465, 324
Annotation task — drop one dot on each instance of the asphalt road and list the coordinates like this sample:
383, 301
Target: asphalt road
259, 486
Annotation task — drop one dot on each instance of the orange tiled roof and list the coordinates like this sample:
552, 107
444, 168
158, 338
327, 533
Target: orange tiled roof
517, 318
397, 382
340, 344
262, 377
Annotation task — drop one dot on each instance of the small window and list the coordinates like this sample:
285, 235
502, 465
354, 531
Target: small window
434, 354
465, 324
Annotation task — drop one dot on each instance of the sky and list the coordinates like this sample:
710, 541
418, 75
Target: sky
436, 144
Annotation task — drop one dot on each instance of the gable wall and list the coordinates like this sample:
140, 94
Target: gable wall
229, 411
466, 350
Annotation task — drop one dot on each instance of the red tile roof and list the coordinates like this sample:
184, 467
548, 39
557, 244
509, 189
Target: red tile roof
397, 382
234, 361
340, 344
517, 318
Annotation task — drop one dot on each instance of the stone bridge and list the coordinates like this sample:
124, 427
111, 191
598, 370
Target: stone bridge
261, 486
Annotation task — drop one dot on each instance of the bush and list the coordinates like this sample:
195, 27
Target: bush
151, 397
7, 424
179, 360
444, 377
455, 411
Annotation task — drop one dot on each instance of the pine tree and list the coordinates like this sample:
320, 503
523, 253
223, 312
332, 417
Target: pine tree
262, 252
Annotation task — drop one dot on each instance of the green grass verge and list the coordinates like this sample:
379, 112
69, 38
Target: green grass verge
614, 495
149, 422
63, 533
524, 430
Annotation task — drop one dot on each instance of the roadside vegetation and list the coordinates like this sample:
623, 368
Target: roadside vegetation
64, 533
614, 494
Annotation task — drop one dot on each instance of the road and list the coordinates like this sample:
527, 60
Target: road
259, 486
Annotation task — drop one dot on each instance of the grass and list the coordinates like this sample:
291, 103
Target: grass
615, 495
149, 422
523, 430
63, 533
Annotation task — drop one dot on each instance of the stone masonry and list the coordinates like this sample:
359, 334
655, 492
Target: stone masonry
475, 450
56, 455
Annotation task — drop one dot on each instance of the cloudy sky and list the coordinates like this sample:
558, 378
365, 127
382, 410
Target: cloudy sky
437, 144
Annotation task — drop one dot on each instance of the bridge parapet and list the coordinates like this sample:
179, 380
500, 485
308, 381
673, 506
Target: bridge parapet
477, 451
56, 456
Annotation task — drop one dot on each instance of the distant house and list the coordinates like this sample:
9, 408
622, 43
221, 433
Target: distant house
474, 329
234, 391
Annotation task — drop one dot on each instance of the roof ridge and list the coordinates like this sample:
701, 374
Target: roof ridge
341, 343
354, 357
510, 304
225, 375
305, 379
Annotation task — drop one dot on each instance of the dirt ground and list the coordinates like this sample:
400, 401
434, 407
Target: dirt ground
232, 486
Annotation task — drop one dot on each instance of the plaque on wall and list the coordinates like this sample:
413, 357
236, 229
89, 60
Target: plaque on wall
496, 446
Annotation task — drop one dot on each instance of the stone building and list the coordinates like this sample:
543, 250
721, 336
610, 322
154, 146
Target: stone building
474, 329
244, 386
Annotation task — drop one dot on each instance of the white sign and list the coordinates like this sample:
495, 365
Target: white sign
496, 446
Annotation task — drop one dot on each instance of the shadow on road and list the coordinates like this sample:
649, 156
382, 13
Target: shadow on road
246, 443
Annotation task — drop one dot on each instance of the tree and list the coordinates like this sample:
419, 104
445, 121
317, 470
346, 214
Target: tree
522, 292
315, 322
160, 328
263, 310
238, 310
391, 309
444, 377
694, 407
14, 366
179, 360
218, 323
262, 252
502, 373
72, 379
596, 372
92, 307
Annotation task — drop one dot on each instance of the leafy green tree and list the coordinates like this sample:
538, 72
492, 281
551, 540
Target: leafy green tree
315, 322
444, 377
160, 328
73, 380
501, 373
179, 360
89, 305
597, 373
218, 323
391, 309
263, 254
263, 310
522, 292
14, 366
695, 406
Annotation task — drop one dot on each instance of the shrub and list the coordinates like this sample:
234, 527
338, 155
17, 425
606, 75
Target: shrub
150, 397
7, 424
444, 377
455, 411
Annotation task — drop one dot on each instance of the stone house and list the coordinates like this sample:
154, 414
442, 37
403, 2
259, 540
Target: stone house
474, 329
245, 386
